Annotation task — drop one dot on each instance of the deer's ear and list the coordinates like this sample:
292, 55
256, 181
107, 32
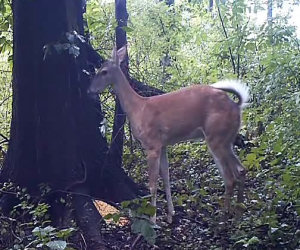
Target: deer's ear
114, 55
122, 54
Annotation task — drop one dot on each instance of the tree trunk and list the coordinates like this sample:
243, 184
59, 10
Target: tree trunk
55, 137
210, 5
116, 147
270, 12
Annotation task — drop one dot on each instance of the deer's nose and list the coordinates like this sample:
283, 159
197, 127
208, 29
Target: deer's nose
92, 94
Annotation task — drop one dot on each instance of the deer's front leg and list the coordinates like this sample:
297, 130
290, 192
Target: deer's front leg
153, 159
164, 173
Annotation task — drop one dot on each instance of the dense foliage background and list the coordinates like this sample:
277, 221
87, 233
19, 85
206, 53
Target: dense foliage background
182, 44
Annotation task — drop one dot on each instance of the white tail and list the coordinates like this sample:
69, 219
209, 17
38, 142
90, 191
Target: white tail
236, 87
193, 112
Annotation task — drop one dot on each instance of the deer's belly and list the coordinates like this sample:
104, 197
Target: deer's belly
193, 135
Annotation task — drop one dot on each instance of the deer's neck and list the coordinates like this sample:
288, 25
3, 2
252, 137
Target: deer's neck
130, 101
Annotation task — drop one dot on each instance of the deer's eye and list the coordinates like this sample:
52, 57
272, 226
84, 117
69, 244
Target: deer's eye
103, 72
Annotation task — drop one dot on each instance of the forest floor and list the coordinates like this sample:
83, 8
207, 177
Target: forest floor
200, 222
268, 218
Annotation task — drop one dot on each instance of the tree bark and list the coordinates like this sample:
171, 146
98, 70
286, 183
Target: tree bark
55, 137
116, 147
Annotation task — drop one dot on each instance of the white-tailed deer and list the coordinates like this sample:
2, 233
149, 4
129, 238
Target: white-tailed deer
193, 112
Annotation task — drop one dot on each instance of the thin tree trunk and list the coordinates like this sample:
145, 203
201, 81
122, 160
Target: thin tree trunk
226, 36
210, 5
270, 12
116, 147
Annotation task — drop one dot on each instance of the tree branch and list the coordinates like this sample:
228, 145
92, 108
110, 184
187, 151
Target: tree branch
226, 35
5, 138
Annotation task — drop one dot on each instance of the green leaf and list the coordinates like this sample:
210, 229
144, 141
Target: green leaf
241, 206
251, 157
74, 50
43, 231
145, 228
108, 216
57, 244
125, 204
274, 230
116, 217
253, 241
242, 241
65, 233
127, 29
146, 209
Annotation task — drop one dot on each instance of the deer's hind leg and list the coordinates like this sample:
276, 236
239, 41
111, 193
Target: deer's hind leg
229, 166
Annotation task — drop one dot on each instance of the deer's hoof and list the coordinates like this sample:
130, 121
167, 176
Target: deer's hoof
170, 217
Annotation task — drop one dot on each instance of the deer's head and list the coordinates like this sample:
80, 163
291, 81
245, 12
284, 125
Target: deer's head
107, 74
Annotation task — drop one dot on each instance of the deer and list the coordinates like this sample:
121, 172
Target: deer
190, 113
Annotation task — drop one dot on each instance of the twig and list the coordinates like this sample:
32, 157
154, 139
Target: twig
11, 221
16, 236
84, 241
85, 195
4, 141
7, 218
4, 137
118, 132
135, 241
7, 192
130, 139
